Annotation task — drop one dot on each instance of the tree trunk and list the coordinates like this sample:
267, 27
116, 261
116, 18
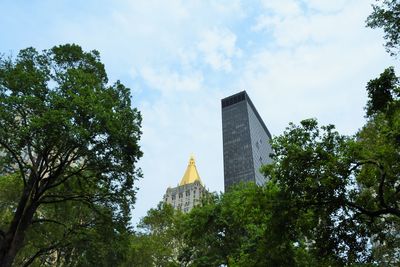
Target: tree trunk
14, 237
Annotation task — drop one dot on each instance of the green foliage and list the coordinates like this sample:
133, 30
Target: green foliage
386, 15
141, 251
246, 226
313, 170
10, 188
75, 234
321, 206
347, 188
378, 143
68, 148
382, 92
158, 240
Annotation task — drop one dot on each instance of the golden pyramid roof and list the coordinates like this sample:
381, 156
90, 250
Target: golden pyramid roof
191, 175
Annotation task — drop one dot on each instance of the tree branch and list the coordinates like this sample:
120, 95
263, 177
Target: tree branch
65, 178
363, 162
39, 253
33, 161
60, 198
381, 186
382, 179
65, 162
398, 189
14, 155
47, 221
374, 213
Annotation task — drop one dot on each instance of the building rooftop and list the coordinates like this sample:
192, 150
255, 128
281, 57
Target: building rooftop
191, 175
242, 96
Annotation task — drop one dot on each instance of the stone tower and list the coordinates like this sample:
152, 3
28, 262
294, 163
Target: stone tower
189, 191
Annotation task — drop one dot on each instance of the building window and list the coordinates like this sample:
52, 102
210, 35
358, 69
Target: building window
187, 192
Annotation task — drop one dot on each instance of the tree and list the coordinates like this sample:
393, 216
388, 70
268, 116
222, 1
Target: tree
158, 241
349, 185
76, 235
67, 136
247, 226
314, 172
378, 143
386, 15
381, 135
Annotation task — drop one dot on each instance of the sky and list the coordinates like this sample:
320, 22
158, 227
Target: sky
296, 59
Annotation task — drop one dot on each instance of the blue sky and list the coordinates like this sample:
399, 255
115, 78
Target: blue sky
296, 58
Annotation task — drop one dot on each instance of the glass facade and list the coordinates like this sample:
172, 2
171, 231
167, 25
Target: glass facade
245, 141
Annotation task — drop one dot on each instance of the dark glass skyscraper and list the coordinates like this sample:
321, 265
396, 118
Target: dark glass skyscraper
245, 140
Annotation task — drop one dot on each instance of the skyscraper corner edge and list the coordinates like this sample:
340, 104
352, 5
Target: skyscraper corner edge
242, 96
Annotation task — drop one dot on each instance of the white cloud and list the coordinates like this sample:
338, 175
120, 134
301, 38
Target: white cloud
219, 47
228, 7
266, 22
326, 5
301, 27
282, 8
320, 69
168, 81
293, 8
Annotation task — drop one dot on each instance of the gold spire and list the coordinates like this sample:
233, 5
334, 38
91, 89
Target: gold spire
191, 175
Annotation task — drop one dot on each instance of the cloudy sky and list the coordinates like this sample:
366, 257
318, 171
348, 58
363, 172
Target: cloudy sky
296, 59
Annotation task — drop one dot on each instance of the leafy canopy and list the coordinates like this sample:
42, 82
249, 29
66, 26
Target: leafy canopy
67, 135
386, 15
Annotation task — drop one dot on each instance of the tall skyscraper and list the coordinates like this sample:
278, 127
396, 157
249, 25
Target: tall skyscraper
245, 141
189, 191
